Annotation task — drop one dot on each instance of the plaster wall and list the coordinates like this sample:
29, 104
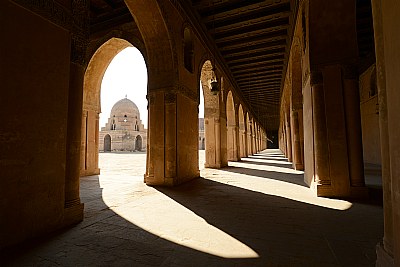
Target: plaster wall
33, 113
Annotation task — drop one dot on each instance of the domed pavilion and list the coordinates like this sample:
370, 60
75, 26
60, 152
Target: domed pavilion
124, 130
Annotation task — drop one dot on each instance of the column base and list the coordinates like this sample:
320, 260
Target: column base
90, 172
153, 181
298, 166
73, 215
384, 259
215, 166
322, 190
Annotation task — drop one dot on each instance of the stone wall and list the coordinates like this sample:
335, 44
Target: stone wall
370, 116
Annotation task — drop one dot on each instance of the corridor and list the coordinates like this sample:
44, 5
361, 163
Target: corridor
256, 212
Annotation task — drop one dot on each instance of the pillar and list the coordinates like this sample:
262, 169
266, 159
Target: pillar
297, 151
321, 178
385, 248
83, 165
171, 117
73, 208
353, 126
338, 163
288, 135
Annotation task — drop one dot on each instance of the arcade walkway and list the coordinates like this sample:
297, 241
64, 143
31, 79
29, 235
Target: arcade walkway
257, 212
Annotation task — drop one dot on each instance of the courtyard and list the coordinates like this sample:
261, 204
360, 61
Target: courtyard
256, 212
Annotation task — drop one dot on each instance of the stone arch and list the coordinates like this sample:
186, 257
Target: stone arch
93, 77
215, 149
231, 128
242, 132
107, 143
152, 25
138, 143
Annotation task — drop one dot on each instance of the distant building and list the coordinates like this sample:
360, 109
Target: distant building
124, 130
202, 140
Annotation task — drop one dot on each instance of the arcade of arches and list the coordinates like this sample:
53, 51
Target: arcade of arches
322, 86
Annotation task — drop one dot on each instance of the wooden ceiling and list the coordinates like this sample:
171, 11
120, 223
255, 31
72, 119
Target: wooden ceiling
106, 14
253, 37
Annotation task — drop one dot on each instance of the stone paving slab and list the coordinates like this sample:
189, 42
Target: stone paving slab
257, 212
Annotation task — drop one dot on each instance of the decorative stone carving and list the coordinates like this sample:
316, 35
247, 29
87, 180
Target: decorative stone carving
80, 31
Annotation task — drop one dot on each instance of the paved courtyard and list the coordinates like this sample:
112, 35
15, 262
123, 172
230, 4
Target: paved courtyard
257, 212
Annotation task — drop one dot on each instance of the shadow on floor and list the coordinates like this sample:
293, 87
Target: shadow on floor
269, 163
279, 176
283, 232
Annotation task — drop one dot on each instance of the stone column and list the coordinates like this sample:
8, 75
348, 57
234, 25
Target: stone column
321, 161
237, 142
83, 144
297, 159
96, 154
170, 137
217, 142
73, 206
288, 137
353, 126
384, 249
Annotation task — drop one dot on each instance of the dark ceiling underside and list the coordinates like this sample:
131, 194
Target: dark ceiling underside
252, 36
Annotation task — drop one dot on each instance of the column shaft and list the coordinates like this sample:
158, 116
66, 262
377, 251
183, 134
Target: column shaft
321, 152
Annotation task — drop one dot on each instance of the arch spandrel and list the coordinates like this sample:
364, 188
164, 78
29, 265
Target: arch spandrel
151, 21
95, 70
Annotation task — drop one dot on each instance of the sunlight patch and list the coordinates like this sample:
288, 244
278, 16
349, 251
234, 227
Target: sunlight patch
274, 187
166, 218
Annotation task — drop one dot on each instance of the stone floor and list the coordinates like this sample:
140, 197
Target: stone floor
257, 212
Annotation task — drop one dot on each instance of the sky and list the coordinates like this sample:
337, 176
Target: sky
127, 76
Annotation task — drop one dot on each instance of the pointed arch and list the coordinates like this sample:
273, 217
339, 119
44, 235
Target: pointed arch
91, 109
232, 128
107, 143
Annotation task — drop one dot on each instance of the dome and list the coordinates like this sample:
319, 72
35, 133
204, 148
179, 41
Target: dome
125, 107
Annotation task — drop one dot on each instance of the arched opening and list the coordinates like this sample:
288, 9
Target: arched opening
213, 134
138, 143
242, 133
231, 128
115, 67
107, 143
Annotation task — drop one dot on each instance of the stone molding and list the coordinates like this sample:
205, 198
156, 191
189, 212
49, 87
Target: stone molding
170, 98
178, 89
80, 31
